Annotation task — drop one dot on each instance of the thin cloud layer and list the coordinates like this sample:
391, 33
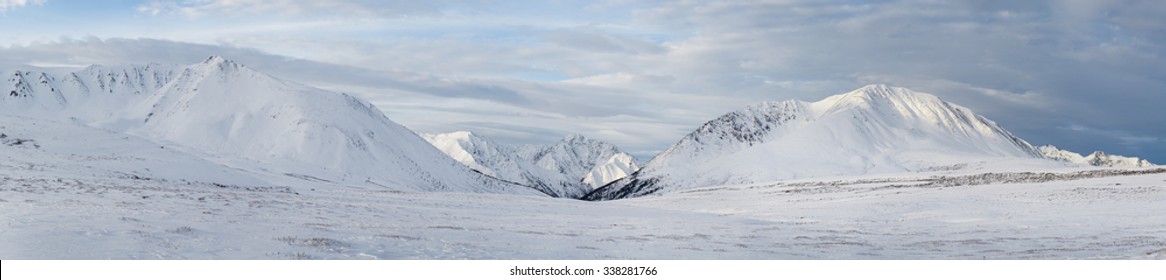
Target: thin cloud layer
199, 8
6, 5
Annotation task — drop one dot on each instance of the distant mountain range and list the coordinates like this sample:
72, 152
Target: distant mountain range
571, 168
1097, 158
250, 125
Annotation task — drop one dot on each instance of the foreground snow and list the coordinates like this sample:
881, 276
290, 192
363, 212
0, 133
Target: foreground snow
1094, 214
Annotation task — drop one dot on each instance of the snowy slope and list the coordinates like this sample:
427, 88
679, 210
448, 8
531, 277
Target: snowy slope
477, 152
571, 167
232, 115
1097, 158
614, 168
874, 129
52, 149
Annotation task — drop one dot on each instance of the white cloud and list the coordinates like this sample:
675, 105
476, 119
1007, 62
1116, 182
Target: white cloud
600, 42
1136, 140
197, 8
6, 5
1130, 140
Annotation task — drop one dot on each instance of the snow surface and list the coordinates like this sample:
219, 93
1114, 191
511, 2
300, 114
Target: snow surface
872, 130
571, 168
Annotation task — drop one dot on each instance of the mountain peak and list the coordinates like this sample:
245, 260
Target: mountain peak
873, 93
575, 138
875, 88
883, 90
214, 59
221, 62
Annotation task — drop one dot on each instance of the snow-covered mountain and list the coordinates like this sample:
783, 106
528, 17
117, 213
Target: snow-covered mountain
571, 167
1097, 158
617, 166
92, 94
236, 116
580, 157
874, 129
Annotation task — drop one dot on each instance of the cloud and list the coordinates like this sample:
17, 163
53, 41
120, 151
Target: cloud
600, 42
198, 8
94, 50
1121, 142
6, 5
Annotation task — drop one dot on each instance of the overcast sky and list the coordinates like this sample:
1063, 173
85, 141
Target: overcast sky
1083, 75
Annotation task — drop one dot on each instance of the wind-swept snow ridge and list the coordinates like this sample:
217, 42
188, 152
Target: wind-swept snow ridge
230, 112
570, 168
874, 129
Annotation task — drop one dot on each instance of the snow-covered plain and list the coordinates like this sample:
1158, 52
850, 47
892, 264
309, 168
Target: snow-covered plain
58, 202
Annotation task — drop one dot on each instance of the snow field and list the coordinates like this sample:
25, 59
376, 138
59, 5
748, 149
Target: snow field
1107, 217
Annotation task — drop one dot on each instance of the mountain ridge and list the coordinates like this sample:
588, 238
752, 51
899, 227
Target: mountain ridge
1096, 158
873, 129
229, 112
